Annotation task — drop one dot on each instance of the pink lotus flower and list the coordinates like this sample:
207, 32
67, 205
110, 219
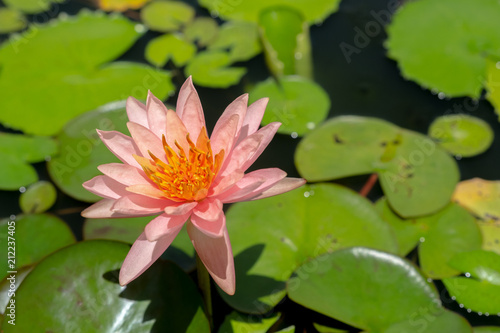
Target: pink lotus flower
171, 167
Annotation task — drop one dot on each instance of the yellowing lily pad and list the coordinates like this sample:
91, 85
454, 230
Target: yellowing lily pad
203, 30
11, 20
449, 50
38, 198
128, 229
417, 176
462, 134
30, 247
70, 73
479, 290
81, 150
240, 39
16, 152
290, 100
479, 196
271, 237
166, 16
371, 290
210, 69
171, 46
80, 283
121, 5
240, 10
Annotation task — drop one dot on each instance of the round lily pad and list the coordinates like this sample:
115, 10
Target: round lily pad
202, 30
481, 197
121, 5
239, 10
290, 101
271, 237
210, 69
38, 198
462, 135
29, 247
166, 16
127, 230
368, 289
479, 290
9, 284
11, 20
81, 150
77, 289
449, 50
31, 6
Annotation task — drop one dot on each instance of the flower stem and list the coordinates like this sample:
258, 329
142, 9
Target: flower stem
368, 185
204, 285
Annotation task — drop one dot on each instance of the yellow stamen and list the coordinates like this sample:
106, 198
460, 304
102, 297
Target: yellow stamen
186, 176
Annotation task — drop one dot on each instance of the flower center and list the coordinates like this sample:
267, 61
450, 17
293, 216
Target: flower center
186, 177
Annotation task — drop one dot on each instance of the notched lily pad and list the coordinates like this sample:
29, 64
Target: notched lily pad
166, 16
171, 46
449, 50
461, 134
210, 69
319, 219
38, 198
240, 39
290, 100
71, 73
203, 30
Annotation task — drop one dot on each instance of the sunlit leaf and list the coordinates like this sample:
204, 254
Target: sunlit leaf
242, 323
38, 198
80, 283
462, 134
448, 51
11, 20
271, 237
314, 10
166, 16
16, 151
203, 30
299, 104
121, 5
210, 69
169, 47
240, 39
481, 197
479, 290
287, 46
417, 176
127, 230
371, 290
70, 73
31, 6
30, 246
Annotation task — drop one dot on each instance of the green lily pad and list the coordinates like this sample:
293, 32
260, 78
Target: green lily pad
71, 74
493, 84
81, 150
11, 20
271, 237
240, 39
287, 46
479, 290
408, 232
481, 197
31, 6
453, 230
449, 51
16, 151
491, 235
203, 30
239, 10
9, 284
326, 329
368, 289
209, 69
172, 46
462, 135
127, 230
486, 329
80, 283
443, 321
417, 176
38, 198
166, 16
290, 101
29, 247
290, 329
121, 5
241, 323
